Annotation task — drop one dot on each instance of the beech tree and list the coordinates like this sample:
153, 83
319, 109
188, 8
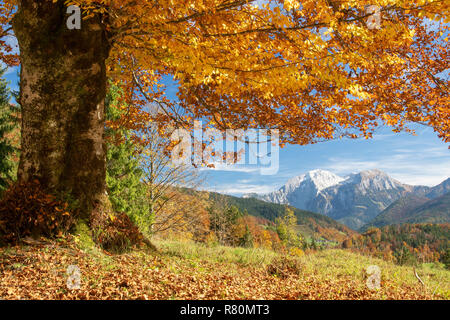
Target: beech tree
314, 70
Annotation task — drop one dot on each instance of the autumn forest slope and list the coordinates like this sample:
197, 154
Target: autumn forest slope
414, 209
310, 224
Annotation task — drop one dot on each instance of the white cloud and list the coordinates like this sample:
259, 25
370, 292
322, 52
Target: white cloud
224, 167
241, 188
430, 166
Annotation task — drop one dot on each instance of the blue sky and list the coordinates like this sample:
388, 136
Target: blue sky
419, 160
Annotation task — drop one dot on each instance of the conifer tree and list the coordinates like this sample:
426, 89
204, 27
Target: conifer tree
8, 121
126, 191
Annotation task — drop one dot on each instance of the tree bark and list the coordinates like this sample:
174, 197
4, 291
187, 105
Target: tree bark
62, 91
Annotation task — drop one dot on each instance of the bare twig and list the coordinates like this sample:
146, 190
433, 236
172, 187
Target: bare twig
418, 278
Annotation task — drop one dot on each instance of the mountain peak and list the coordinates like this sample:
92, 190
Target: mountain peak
373, 172
440, 189
353, 200
374, 179
319, 171
324, 179
321, 179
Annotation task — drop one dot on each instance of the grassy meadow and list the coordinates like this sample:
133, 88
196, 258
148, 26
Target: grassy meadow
188, 270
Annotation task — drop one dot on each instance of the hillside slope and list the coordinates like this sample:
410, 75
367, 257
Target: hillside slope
397, 212
310, 224
414, 209
433, 211
439, 190
406, 243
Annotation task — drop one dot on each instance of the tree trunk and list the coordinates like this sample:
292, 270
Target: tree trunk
62, 91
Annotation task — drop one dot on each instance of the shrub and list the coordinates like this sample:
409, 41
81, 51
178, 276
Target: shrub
284, 266
446, 258
115, 232
27, 210
404, 257
296, 252
347, 243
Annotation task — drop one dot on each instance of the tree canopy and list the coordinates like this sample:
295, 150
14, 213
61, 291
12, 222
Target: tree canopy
312, 69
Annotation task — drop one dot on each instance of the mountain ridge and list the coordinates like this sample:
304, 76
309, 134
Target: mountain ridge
432, 206
353, 200
414, 209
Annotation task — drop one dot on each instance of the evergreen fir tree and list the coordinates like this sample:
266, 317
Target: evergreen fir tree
247, 239
314, 244
8, 122
126, 191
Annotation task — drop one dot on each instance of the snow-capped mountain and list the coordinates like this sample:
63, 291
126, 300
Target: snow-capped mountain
360, 197
299, 190
353, 200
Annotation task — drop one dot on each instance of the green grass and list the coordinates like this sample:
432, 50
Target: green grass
339, 262
189, 270
325, 264
220, 254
